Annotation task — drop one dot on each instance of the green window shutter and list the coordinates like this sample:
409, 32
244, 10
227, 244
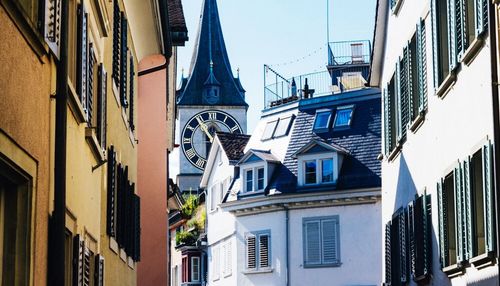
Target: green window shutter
452, 28
427, 250
419, 221
90, 85
116, 42
82, 57
387, 125
461, 27
405, 87
111, 195
443, 235
398, 113
435, 43
99, 270
101, 107
488, 196
403, 246
421, 66
468, 209
481, 12
131, 96
459, 216
388, 266
123, 60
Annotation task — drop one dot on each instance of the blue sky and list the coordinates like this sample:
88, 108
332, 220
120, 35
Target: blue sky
273, 32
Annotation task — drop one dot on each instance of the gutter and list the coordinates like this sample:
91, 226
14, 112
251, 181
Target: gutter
496, 117
287, 224
57, 223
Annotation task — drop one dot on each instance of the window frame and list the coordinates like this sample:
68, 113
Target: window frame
320, 220
192, 265
258, 235
286, 130
344, 126
322, 129
318, 158
270, 124
254, 167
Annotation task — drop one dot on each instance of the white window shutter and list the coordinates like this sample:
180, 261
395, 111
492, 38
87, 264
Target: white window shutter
312, 242
329, 238
229, 258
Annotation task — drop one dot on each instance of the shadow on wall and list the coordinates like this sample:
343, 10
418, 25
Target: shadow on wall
405, 188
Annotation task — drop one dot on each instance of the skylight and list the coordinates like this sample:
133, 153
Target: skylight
269, 131
343, 116
283, 126
322, 120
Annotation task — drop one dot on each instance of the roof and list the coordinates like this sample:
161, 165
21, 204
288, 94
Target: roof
210, 48
264, 155
360, 169
323, 143
379, 38
233, 144
176, 16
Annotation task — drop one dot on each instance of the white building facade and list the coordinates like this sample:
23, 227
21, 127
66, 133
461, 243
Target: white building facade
432, 60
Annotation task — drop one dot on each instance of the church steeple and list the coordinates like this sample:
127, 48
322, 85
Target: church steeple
211, 80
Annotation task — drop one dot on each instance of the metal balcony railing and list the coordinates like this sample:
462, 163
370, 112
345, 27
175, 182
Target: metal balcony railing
349, 53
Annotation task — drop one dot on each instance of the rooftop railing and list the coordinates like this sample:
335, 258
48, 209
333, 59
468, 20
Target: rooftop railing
349, 53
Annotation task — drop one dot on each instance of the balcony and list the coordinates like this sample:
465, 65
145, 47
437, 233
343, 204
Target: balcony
349, 53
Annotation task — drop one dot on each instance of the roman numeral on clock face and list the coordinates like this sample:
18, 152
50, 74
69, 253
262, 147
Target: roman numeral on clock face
186, 140
190, 153
201, 163
212, 116
234, 128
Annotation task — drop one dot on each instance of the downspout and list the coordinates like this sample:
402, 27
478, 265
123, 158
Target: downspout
56, 263
287, 224
496, 117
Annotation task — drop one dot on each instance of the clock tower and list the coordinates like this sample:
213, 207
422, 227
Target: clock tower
211, 99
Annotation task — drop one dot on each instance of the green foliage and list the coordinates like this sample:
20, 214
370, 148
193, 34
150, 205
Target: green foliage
190, 205
185, 237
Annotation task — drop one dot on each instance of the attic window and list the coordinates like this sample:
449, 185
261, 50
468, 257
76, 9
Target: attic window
343, 116
322, 121
269, 131
283, 126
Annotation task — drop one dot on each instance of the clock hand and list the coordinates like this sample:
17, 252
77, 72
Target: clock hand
203, 127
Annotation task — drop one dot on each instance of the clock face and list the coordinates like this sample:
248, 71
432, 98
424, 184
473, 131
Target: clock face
199, 132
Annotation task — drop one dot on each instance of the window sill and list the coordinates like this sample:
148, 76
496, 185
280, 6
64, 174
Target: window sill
393, 154
446, 85
453, 270
258, 271
415, 125
470, 54
94, 144
74, 104
396, 8
227, 275
113, 245
338, 264
483, 260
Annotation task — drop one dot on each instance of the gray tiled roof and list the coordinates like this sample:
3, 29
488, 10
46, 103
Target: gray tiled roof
233, 144
176, 18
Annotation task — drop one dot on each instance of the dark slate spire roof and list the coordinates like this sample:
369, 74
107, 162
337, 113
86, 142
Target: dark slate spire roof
210, 48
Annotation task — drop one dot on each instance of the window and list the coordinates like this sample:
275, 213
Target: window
269, 130
465, 211
258, 246
216, 195
15, 226
249, 180
441, 39
260, 178
318, 170
343, 116
321, 241
408, 242
283, 127
322, 121
310, 172
195, 269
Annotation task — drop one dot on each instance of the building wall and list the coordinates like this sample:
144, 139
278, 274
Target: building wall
453, 128
26, 85
152, 173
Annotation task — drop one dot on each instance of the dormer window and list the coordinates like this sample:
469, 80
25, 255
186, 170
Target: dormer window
343, 117
322, 120
319, 163
256, 167
254, 179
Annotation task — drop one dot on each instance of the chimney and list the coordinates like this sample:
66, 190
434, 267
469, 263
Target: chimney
307, 92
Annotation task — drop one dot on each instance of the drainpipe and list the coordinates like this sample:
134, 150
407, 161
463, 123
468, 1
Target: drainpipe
287, 224
56, 253
496, 117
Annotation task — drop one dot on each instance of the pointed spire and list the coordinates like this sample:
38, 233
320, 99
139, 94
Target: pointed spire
210, 48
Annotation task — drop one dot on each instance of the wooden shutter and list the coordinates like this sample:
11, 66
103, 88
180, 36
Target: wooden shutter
116, 42
251, 255
435, 44
459, 214
123, 61
452, 35
481, 12
419, 221
443, 216
82, 57
78, 246
329, 241
422, 65
111, 195
119, 205
398, 112
131, 97
90, 85
264, 245
388, 265
488, 196
387, 124
99, 270
53, 26
87, 257
461, 27
137, 228
404, 91
468, 210
403, 250
312, 242
102, 105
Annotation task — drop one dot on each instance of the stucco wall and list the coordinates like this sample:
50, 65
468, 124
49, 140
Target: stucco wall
25, 88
